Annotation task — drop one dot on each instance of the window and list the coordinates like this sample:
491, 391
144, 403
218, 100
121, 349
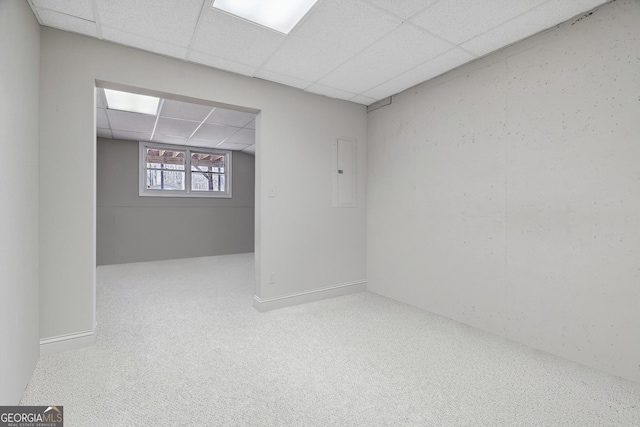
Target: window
164, 169
170, 171
208, 171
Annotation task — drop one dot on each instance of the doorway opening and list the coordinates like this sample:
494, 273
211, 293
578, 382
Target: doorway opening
175, 181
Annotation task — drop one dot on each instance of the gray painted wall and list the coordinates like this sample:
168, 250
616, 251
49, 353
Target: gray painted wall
19, 100
514, 201
301, 240
131, 228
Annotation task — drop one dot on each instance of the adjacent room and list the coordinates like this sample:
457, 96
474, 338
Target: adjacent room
376, 213
151, 205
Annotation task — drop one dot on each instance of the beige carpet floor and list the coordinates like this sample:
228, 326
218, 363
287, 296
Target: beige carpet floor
179, 344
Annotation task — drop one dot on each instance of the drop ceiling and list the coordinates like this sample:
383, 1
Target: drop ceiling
356, 50
179, 123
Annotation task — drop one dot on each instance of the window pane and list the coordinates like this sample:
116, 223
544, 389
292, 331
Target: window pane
153, 179
207, 172
173, 180
165, 180
165, 159
207, 162
201, 181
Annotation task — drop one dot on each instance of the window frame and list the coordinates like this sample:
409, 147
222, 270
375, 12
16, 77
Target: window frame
143, 191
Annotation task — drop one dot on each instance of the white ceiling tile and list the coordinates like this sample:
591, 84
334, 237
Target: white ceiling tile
366, 71
364, 100
243, 136
101, 118
121, 120
103, 133
461, 20
251, 125
172, 22
176, 127
202, 143
131, 136
439, 65
143, 43
581, 6
255, 45
166, 139
331, 92
403, 8
68, 23
333, 32
539, 19
215, 133
238, 119
333, 35
222, 64
282, 79
250, 150
184, 110
78, 8
230, 146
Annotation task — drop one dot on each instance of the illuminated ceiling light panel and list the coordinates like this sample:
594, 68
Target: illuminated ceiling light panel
131, 102
279, 15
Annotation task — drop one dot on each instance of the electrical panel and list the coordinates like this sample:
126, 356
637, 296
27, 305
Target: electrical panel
345, 174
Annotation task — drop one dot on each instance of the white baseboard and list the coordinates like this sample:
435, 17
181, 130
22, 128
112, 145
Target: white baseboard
67, 342
268, 304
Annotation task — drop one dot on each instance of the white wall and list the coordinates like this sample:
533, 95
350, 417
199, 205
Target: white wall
300, 238
130, 228
19, 75
506, 193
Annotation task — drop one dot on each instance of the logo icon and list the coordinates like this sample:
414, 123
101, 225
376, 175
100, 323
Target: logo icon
31, 416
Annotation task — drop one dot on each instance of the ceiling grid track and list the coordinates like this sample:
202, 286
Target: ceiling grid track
201, 123
206, 5
96, 17
155, 126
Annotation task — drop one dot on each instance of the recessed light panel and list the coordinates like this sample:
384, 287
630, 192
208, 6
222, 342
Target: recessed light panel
131, 102
279, 15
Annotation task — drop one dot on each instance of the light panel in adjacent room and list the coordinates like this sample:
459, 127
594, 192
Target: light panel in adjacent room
132, 102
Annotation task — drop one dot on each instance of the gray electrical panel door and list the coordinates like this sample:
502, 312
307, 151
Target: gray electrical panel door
345, 174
